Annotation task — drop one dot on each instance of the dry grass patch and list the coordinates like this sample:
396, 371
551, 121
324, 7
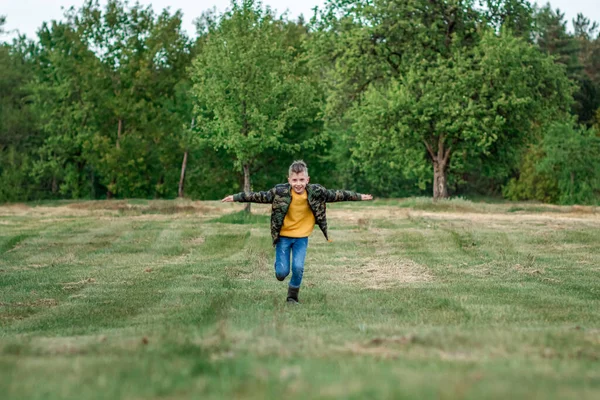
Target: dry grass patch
110, 207
100, 205
77, 285
362, 215
35, 303
380, 351
41, 211
197, 240
385, 273
153, 207
591, 219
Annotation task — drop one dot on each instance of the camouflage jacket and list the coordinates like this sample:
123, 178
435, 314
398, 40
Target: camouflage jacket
280, 197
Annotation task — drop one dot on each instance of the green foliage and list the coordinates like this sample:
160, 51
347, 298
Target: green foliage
588, 97
515, 16
372, 94
564, 168
579, 52
361, 44
554, 39
15, 184
106, 93
253, 95
476, 106
571, 156
532, 184
19, 135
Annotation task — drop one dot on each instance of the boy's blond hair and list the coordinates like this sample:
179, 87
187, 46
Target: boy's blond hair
297, 167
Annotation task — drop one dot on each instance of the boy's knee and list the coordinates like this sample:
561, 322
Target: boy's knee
280, 277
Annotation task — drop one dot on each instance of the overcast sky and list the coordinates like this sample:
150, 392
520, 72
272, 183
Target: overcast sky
27, 16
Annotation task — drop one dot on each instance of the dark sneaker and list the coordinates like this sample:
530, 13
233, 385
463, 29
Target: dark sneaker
292, 296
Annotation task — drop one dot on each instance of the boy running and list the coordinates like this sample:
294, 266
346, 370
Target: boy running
296, 207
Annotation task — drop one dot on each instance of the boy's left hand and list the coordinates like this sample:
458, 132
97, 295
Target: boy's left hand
366, 197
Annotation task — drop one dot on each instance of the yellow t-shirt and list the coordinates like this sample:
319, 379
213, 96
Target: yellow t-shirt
299, 221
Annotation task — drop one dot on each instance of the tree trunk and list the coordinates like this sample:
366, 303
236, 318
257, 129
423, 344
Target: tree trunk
182, 177
161, 181
109, 193
180, 192
440, 165
119, 132
54, 184
92, 185
247, 184
440, 184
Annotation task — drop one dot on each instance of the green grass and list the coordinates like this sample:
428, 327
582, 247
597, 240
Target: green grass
413, 299
242, 218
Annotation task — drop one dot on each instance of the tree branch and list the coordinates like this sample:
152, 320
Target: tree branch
447, 155
429, 150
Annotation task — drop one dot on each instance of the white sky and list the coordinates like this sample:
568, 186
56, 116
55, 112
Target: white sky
27, 16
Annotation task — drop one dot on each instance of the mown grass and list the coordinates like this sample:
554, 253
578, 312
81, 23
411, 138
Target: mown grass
413, 299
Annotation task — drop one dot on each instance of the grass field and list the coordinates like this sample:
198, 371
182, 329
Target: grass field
412, 299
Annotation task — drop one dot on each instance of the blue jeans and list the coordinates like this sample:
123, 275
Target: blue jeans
296, 247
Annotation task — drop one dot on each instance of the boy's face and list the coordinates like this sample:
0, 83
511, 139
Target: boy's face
298, 181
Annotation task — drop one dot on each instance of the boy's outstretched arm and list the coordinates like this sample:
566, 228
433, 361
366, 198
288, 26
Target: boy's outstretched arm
251, 197
332, 195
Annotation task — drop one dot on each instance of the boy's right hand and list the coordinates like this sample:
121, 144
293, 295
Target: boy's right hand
228, 199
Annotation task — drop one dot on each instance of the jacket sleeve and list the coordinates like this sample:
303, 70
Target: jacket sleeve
255, 197
332, 195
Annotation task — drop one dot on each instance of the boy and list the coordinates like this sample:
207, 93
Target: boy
297, 207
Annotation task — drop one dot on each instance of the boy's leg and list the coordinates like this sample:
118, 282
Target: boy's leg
282, 258
298, 255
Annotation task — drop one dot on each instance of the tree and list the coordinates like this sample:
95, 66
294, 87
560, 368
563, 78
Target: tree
359, 44
532, 183
572, 51
107, 92
515, 16
552, 37
19, 135
571, 155
588, 96
475, 104
251, 89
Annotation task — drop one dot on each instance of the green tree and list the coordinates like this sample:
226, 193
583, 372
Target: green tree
571, 155
107, 92
359, 44
515, 16
588, 96
63, 100
572, 51
531, 183
143, 57
552, 37
19, 135
460, 109
251, 88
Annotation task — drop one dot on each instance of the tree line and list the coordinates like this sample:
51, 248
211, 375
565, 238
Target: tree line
393, 97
